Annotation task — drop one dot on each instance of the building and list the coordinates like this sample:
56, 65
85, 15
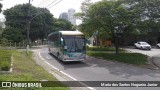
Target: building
64, 16
2, 25
69, 16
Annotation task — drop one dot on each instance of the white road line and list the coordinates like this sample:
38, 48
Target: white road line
56, 68
52, 66
41, 56
63, 72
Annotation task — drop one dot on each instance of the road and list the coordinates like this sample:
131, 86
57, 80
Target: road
151, 53
94, 69
154, 54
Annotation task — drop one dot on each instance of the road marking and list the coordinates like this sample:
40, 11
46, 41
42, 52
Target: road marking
41, 56
63, 72
52, 66
56, 68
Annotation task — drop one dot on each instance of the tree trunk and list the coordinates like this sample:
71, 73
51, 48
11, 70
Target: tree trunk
117, 45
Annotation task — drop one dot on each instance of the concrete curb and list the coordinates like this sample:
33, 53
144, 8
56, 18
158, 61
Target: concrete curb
154, 61
151, 63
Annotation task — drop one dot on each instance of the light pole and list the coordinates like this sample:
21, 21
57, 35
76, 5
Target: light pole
28, 27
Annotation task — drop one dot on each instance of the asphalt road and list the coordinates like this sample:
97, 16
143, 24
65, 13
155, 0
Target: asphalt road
93, 69
151, 53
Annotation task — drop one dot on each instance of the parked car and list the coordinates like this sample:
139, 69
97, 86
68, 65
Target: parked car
158, 45
142, 45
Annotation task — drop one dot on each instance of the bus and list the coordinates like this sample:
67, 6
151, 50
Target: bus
67, 45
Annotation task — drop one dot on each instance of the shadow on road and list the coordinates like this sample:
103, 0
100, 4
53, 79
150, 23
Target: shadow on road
114, 68
123, 70
105, 67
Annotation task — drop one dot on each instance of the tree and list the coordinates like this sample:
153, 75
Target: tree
113, 18
42, 22
1, 22
4, 42
62, 24
148, 24
13, 34
86, 26
84, 8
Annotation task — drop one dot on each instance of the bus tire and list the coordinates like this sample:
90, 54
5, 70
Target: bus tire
49, 50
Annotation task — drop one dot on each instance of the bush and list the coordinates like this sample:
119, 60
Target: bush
5, 60
131, 58
102, 49
5, 65
4, 42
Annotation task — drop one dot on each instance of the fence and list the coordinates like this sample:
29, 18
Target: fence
21, 45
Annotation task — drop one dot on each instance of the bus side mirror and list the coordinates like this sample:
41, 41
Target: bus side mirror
62, 43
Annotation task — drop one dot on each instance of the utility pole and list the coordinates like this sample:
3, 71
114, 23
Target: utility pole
28, 27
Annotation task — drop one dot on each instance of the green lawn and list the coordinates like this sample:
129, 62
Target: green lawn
131, 58
5, 60
26, 69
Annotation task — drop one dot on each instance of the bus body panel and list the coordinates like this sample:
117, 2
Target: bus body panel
78, 56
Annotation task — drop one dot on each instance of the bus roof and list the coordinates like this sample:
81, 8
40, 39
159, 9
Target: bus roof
71, 32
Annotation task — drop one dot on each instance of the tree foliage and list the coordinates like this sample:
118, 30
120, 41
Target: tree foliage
110, 18
13, 34
17, 19
62, 24
41, 20
116, 18
1, 22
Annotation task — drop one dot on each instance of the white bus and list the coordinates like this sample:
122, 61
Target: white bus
67, 45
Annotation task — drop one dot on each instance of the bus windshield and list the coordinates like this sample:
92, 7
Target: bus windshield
74, 43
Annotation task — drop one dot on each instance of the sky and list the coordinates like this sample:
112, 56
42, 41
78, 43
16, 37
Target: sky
55, 9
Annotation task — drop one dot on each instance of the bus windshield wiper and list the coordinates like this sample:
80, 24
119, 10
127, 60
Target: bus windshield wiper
71, 46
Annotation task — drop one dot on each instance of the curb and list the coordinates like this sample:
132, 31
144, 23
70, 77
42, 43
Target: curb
60, 75
151, 61
155, 64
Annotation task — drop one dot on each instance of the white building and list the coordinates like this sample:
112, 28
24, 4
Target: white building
71, 17
64, 16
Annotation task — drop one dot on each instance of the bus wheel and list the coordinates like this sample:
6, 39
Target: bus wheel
49, 50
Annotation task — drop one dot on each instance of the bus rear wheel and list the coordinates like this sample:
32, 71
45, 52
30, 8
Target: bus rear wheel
49, 50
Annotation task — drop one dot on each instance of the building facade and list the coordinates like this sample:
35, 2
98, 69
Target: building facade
69, 16
63, 16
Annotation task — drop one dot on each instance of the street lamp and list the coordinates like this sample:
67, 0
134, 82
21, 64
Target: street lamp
28, 26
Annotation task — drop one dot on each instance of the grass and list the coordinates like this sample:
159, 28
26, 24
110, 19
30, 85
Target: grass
96, 48
26, 69
5, 60
131, 58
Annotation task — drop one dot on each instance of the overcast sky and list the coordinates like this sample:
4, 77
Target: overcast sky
62, 6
